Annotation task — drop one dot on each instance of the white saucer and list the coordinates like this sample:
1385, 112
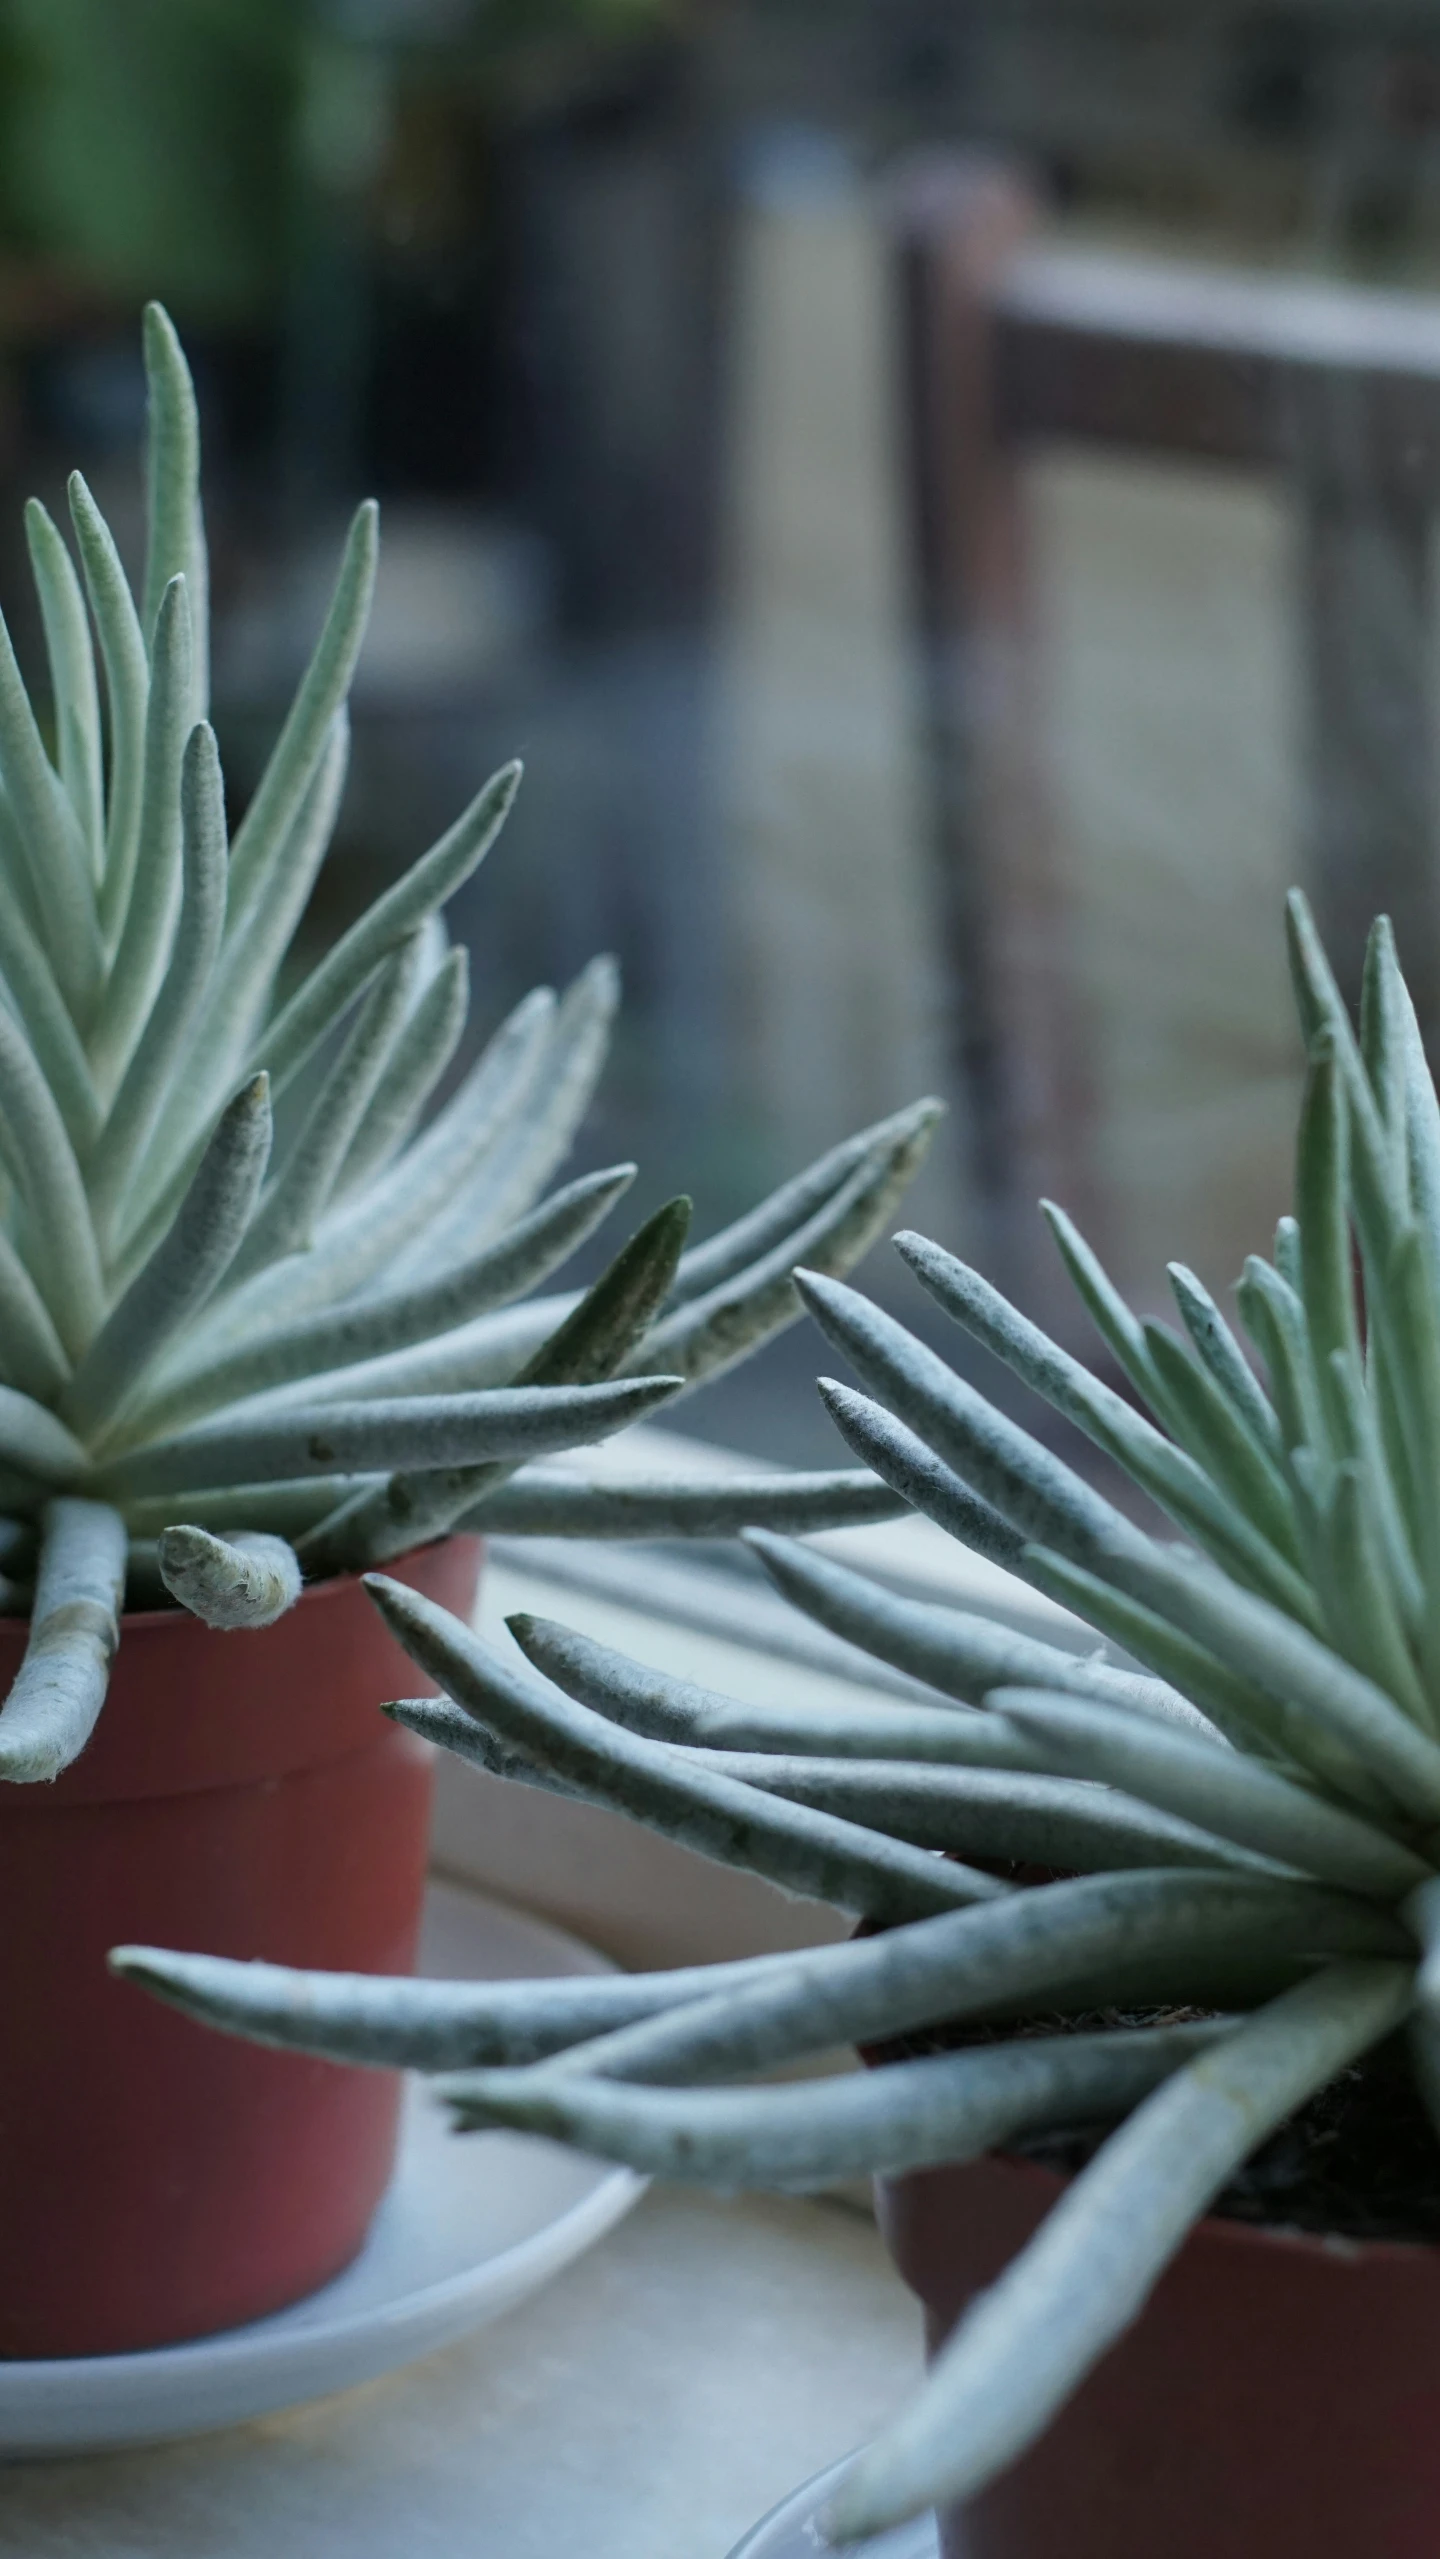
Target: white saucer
793, 2530
469, 2228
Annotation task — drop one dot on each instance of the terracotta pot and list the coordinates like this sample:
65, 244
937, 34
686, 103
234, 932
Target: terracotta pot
242, 1795
1279, 2394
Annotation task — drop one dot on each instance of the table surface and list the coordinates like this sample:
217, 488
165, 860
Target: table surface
657, 2399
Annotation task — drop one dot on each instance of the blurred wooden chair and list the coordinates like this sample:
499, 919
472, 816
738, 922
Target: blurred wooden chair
1010, 345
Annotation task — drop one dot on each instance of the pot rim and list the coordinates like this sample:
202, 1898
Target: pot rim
328, 1584
1214, 2228
193, 1707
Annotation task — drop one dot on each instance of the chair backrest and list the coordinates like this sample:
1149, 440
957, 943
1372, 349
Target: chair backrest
1012, 343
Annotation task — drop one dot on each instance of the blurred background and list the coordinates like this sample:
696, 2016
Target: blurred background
940, 492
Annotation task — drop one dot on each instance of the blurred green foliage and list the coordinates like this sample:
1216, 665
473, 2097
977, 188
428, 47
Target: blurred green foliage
166, 146
149, 142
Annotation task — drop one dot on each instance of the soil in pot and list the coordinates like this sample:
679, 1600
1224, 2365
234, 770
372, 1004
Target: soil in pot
242, 1795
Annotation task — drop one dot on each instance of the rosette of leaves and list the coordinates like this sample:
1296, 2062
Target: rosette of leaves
236, 1349
1235, 1826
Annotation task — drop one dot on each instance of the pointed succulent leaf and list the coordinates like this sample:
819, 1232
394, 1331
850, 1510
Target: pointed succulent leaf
1116, 1323
149, 920
706, 1336
998, 1817
239, 991
1219, 1790
962, 1654
789, 1209
436, 1431
299, 1193
185, 1267
1217, 1347
804, 1852
58, 1239
127, 685
297, 1030
1153, 1938
1380, 1195
901, 1458
172, 1020
417, 2025
419, 1055
533, 1136
72, 678
915, 2114
366, 1327
58, 866
550, 1502
664, 1708
309, 727
1384, 1007
418, 1504
174, 532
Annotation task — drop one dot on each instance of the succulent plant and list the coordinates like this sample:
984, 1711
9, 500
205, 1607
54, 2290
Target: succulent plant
227, 1363
1235, 1845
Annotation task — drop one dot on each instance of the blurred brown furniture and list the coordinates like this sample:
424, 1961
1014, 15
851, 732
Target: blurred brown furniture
1010, 344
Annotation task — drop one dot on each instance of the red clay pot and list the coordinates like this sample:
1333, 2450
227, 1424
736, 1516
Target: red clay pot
242, 1795
1278, 2395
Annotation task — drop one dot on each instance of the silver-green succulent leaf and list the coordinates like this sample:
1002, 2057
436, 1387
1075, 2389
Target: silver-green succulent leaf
1247, 1824
232, 1359
246, 1579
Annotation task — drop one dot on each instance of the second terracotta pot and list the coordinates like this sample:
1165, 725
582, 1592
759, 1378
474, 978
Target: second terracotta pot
1278, 2398
242, 1796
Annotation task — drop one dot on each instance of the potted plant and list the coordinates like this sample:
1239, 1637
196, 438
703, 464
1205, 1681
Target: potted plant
234, 1369
1183, 1938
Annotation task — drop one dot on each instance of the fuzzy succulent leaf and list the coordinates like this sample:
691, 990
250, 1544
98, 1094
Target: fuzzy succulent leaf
664, 1708
238, 993
805, 1852
326, 994
951, 1649
41, 1012
130, 1122
73, 688
590, 1345
997, 1817
423, 1047
185, 1268
424, 1431
52, 1708
365, 1327
249, 1579
1155, 1937
127, 683
913, 2115
148, 920
388, 2024
60, 879
57, 1240
549, 1502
